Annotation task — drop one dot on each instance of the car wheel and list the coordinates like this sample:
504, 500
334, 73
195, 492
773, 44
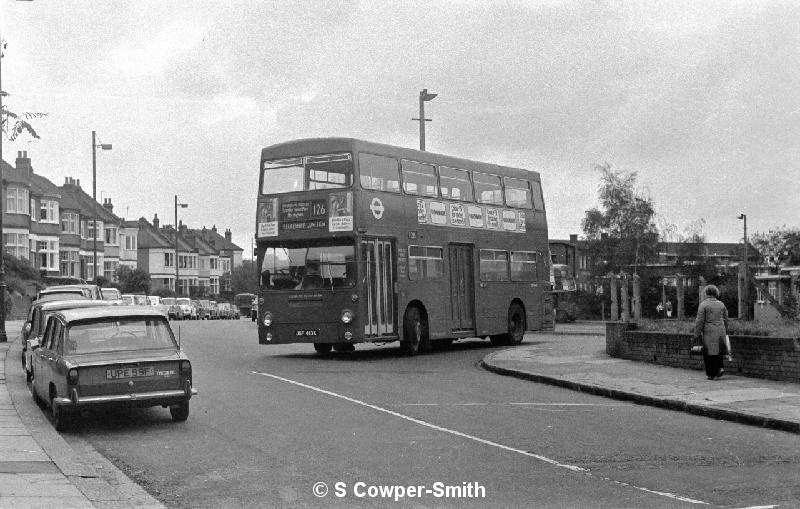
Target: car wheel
62, 419
180, 412
36, 399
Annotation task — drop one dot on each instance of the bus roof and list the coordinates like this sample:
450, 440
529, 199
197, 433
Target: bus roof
314, 146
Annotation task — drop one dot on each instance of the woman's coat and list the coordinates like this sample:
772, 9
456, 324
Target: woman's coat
711, 325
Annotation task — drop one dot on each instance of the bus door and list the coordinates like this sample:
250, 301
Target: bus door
462, 287
377, 256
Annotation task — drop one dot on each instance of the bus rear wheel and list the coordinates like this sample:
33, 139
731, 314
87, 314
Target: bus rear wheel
323, 347
516, 327
415, 333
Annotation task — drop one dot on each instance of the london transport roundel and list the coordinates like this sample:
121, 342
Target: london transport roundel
377, 208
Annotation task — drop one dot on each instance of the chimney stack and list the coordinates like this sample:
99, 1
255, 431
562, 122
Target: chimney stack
24, 163
573, 238
107, 205
228, 235
155, 220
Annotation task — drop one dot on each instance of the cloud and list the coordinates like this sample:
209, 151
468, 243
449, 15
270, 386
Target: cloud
150, 55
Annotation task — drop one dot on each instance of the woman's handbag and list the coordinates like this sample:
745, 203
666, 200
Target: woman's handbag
697, 350
727, 345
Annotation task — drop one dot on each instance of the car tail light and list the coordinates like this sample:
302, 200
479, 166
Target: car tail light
347, 316
72, 377
186, 369
267, 318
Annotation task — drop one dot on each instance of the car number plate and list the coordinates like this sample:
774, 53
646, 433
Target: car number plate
117, 373
307, 332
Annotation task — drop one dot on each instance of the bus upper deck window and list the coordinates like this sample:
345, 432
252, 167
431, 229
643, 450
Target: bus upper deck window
488, 189
379, 173
518, 193
419, 178
455, 184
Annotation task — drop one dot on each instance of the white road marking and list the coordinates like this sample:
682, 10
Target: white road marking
513, 404
545, 459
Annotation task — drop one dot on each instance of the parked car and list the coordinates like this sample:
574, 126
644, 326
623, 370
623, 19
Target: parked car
70, 291
174, 312
224, 311
187, 310
155, 301
213, 310
117, 356
134, 300
112, 294
40, 311
205, 309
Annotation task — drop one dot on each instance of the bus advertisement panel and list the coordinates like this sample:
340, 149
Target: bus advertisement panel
364, 242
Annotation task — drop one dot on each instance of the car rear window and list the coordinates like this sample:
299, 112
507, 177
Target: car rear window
118, 334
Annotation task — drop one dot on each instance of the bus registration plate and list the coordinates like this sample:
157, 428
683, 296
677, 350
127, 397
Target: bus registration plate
306, 333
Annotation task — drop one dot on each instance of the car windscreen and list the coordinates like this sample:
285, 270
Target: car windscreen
118, 335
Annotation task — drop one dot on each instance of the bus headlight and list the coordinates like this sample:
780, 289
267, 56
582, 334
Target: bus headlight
347, 316
267, 318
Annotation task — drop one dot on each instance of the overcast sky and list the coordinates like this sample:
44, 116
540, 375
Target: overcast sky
702, 99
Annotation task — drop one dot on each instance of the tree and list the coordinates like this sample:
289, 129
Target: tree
133, 280
12, 124
622, 232
781, 246
244, 278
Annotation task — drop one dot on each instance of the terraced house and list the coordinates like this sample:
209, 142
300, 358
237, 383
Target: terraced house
54, 228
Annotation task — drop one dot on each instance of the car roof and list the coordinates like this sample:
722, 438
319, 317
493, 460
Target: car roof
71, 315
61, 288
57, 305
57, 297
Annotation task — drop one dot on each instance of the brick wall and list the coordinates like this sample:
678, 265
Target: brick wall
756, 356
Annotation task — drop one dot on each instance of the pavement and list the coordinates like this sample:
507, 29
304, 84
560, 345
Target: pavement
41, 468
574, 357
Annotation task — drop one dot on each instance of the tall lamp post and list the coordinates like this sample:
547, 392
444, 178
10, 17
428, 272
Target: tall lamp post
744, 276
424, 96
95, 146
183, 206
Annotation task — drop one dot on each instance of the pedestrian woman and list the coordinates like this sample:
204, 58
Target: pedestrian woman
711, 327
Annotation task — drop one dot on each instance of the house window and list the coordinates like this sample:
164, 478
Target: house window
70, 264
17, 201
214, 263
48, 211
16, 244
47, 255
110, 270
169, 259
69, 222
111, 235
130, 242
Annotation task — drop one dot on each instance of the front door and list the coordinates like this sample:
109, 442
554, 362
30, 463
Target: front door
377, 257
462, 287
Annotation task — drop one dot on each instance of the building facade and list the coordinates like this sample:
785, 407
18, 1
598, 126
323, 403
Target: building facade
61, 229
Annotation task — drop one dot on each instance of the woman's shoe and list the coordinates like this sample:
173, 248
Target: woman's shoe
720, 373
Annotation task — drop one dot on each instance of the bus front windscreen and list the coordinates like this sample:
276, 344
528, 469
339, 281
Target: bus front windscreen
328, 171
309, 267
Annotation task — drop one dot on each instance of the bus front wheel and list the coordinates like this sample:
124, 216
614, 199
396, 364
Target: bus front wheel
323, 347
415, 333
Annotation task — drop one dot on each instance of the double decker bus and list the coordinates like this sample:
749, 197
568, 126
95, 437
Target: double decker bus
365, 242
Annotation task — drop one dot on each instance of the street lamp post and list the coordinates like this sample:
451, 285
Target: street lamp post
183, 206
424, 96
95, 146
744, 276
